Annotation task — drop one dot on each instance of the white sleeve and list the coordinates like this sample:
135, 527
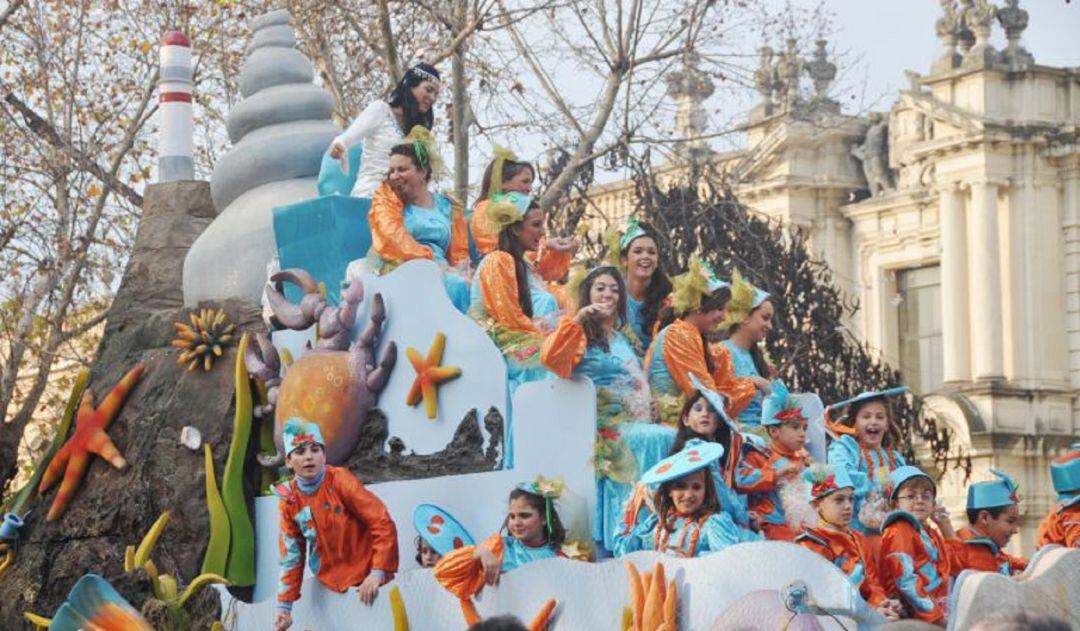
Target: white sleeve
364, 125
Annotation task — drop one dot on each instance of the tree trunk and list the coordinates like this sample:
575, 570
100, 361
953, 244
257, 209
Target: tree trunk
460, 112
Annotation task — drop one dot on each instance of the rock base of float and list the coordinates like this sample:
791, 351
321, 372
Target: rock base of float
1049, 586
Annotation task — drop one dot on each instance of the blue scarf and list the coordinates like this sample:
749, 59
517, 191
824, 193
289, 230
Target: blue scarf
309, 488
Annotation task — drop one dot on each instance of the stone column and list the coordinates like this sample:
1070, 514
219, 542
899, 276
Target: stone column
987, 331
955, 312
1070, 172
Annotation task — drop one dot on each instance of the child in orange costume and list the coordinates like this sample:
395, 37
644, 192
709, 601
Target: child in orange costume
328, 516
1062, 525
993, 519
915, 559
833, 496
764, 471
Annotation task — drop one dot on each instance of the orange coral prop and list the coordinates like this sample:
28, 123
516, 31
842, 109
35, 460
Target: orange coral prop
653, 602
429, 374
89, 437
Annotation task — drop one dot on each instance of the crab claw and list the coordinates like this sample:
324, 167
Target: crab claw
262, 359
296, 317
271, 460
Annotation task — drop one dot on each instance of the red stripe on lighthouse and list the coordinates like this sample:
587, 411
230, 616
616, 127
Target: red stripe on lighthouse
175, 38
175, 97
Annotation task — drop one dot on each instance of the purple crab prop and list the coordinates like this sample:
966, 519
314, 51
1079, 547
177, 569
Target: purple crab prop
335, 383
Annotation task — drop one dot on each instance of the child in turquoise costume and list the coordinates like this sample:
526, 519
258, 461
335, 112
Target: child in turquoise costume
438, 533
592, 344
533, 533
764, 472
327, 516
863, 446
993, 518
915, 560
688, 520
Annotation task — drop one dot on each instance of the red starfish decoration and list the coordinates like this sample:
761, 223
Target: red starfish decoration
89, 437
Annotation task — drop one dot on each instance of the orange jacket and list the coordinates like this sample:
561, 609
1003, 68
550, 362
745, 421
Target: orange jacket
739, 391
974, 551
393, 243
499, 291
343, 529
564, 349
758, 477
915, 566
849, 551
1062, 525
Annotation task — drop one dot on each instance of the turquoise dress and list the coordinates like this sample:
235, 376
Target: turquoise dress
546, 314
659, 378
716, 532
743, 364
636, 321
431, 227
863, 466
624, 405
517, 554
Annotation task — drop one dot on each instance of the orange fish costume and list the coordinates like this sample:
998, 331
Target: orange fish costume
1062, 525
915, 560
344, 531
843, 547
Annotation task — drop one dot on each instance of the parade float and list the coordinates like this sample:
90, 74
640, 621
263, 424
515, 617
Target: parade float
195, 381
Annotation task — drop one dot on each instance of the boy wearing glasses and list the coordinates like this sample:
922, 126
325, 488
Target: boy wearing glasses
915, 559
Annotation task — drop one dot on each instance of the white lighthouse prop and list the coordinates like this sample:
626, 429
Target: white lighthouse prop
175, 135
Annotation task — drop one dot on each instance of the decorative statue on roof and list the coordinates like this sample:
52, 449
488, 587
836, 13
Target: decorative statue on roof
873, 152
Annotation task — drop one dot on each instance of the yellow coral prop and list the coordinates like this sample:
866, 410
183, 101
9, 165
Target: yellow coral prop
742, 300
689, 288
204, 339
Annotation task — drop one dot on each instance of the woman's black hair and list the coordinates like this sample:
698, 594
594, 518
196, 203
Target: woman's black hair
594, 331
760, 364
659, 285
510, 169
402, 96
556, 536
664, 505
722, 435
716, 300
409, 151
508, 242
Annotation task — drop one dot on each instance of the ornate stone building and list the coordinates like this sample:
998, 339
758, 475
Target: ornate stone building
954, 218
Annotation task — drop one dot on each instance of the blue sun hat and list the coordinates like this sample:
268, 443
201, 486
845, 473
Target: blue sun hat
298, 431
993, 494
824, 480
439, 529
900, 475
633, 231
697, 454
1065, 471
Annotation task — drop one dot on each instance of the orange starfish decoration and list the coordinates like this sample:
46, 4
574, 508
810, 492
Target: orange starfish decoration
89, 437
429, 374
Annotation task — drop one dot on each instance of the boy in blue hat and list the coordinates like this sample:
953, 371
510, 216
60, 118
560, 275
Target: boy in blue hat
832, 494
328, 516
916, 561
993, 518
1062, 525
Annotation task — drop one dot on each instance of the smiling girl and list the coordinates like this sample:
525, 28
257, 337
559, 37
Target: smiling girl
688, 520
863, 447
747, 322
532, 530
383, 124
648, 287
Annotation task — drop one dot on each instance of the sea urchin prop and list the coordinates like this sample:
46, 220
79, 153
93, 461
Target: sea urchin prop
200, 342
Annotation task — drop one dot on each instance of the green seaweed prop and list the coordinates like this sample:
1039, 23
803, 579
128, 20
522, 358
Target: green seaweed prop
240, 568
217, 550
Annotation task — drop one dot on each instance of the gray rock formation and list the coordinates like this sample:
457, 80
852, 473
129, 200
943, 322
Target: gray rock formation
280, 131
113, 509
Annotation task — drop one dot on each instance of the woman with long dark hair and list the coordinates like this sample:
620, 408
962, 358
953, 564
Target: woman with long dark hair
384, 124
509, 298
747, 323
648, 287
408, 221
592, 344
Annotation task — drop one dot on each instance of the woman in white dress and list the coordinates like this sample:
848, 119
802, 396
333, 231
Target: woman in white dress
384, 124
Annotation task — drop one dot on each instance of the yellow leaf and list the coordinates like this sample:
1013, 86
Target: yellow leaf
93, 190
